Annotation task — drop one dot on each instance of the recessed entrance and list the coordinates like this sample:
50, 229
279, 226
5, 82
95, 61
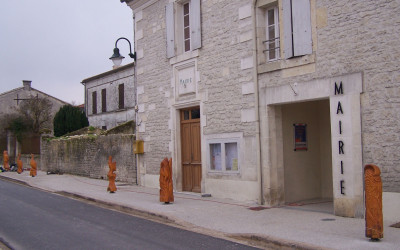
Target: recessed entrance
337, 176
191, 149
307, 152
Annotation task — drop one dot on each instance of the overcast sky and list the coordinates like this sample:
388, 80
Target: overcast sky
56, 44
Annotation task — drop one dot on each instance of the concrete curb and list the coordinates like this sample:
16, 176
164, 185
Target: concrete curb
259, 241
14, 180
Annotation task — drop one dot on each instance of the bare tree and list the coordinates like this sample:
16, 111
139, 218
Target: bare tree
36, 111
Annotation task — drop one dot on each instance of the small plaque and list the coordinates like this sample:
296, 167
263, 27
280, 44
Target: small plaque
186, 81
300, 136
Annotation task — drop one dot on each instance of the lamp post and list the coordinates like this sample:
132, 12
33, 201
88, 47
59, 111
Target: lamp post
116, 58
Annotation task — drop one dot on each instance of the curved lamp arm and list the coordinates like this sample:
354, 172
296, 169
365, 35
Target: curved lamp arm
130, 47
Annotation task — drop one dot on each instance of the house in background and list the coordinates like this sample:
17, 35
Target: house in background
110, 97
9, 103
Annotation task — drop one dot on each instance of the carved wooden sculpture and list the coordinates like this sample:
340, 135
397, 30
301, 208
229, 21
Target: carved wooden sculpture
166, 184
19, 164
373, 202
33, 166
5, 160
111, 175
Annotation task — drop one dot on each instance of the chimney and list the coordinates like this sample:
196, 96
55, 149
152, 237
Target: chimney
27, 84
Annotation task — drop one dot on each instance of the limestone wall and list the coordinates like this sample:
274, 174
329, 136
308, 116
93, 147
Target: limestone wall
153, 87
224, 87
347, 37
358, 36
88, 156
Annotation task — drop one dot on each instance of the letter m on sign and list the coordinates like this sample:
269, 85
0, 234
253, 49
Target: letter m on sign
338, 89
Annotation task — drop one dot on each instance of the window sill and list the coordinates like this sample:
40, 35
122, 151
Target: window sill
223, 173
286, 63
112, 111
183, 57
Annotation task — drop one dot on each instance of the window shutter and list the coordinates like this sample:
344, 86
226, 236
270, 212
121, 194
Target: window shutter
170, 23
287, 29
103, 100
195, 24
301, 16
94, 102
121, 95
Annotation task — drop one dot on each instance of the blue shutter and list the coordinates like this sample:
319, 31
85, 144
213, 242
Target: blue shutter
170, 23
195, 24
297, 39
301, 16
287, 29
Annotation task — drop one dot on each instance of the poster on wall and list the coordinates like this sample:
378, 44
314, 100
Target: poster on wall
300, 136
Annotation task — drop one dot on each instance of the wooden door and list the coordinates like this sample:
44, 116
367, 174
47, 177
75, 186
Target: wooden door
191, 149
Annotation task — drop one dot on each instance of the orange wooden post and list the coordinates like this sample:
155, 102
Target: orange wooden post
19, 164
5, 160
111, 175
33, 166
373, 202
166, 184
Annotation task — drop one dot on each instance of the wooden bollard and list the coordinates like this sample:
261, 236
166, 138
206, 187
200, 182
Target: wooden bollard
6, 158
111, 175
166, 184
19, 164
373, 202
33, 171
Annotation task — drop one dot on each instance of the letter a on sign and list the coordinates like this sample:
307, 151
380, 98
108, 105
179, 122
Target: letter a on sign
339, 108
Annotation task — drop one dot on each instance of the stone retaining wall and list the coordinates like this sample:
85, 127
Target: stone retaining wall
88, 156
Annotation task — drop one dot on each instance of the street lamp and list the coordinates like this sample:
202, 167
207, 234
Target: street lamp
116, 58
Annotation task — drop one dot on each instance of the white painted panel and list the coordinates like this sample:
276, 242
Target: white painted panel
169, 15
302, 42
195, 24
287, 29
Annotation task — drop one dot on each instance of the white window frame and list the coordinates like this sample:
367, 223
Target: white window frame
276, 37
184, 27
223, 142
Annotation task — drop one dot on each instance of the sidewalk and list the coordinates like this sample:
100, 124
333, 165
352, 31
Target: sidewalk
290, 226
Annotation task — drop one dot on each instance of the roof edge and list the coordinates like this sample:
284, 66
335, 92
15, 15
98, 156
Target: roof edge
127, 66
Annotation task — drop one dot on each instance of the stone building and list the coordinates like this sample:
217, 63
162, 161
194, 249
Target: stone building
9, 103
275, 101
110, 97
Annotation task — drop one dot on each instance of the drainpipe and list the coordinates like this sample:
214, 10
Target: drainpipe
135, 99
257, 102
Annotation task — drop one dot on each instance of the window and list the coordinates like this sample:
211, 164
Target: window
121, 95
215, 153
103, 100
224, 156
296, 28
184, 28
272, 34
231, 156
190, 114
288, 31
94, 102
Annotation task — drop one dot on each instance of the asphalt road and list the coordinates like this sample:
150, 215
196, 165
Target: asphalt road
33, 219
